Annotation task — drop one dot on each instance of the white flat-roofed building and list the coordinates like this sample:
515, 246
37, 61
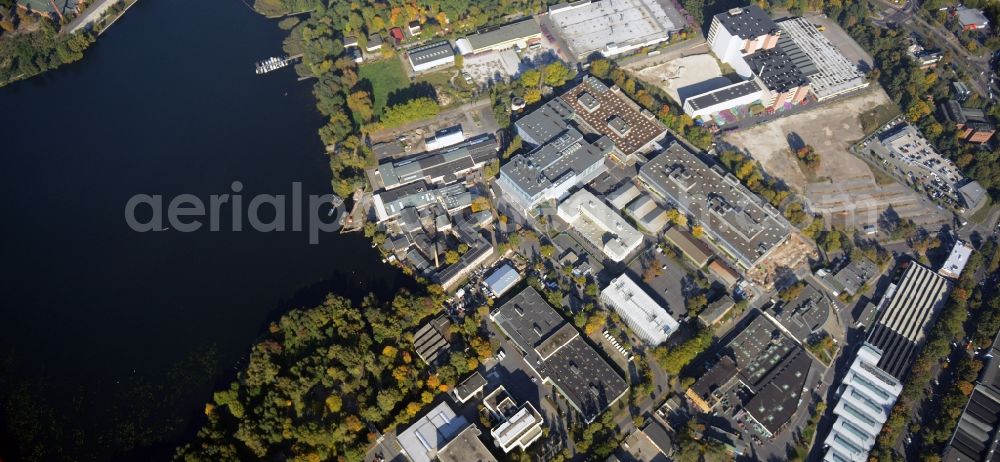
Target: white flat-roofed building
644, 316
445, 137
613, 27
728, 97
429, 56
599, 224
953, 266
519, 425
516, 34
519, 430
866, 399
502, 280
550, 171
421, 440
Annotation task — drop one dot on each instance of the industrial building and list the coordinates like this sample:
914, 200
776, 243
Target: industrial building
874, 381
648, 214
623, 194
694, 249
555, 351
613, 27
830, 73
444, 137
849, 279
390, 204
439, 166
647, 319
803, 316
599, 224
517, 34
972, 196
593, 107
769, 370
431, 340
867, 395
430, 56
550, 171
784, 81
605, 110
738, 222
740, 32
469, 388
971, 18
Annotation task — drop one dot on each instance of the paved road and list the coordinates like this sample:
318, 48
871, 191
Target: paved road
93, 13
693, 46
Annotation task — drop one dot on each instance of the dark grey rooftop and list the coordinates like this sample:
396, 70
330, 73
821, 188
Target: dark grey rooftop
430, 340
727, 93
466, 447
546, 122
776, 402
738, 221
748, 22
975, 437
805, 314
576, 369
758, 349
584, 376
527, 319
797, 55
855, 275
776, 69
430, 52
470, 385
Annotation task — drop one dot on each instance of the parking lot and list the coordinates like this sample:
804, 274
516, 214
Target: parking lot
486, 68
914, 160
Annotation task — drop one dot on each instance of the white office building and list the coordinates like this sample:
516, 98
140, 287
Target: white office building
874, 381
600, 225
865, 403
644, 316
959, 256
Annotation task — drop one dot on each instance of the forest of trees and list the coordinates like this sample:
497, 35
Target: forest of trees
324, 378
26, 54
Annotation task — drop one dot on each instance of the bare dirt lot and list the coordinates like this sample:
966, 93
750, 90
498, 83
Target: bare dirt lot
687, 76
789, 256
843, 187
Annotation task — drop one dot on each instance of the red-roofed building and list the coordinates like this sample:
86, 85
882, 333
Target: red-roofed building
396, 35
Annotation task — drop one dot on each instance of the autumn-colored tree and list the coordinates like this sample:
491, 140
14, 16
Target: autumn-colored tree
360, 103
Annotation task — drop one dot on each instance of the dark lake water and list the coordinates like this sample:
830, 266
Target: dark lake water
112, 339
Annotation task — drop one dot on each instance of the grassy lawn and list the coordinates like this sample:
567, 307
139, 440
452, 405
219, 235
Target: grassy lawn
878, 116
385, 77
